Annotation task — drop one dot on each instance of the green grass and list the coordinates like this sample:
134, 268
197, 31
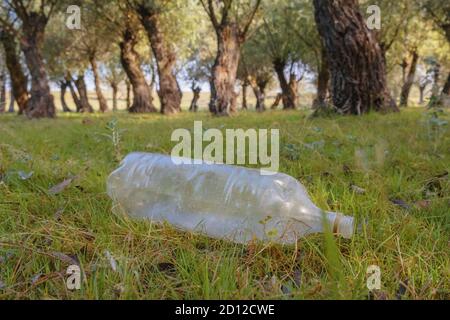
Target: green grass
397, 156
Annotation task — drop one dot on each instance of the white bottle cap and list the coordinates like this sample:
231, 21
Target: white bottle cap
345, 226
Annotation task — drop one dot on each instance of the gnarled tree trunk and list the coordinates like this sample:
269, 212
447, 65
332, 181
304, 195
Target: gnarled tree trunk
98, 89
142, 96
225, 68
85, 106
409, 80
323, 80
289, 95
358, 70
17, 76
169, 91
63, 87
41, 103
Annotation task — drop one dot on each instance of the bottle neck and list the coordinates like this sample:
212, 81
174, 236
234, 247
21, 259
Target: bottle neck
341, 224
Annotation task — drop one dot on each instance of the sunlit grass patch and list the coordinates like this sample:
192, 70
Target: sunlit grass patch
398, 160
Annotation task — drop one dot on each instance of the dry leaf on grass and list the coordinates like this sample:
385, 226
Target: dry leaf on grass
36, 278
401, 203
25, 175
402, 289
61, 186
358, 190
423, 204
87, 121
111, 260
166, 267
58, 214
65, 258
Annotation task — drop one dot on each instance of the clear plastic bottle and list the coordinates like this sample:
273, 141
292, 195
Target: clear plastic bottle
220, 201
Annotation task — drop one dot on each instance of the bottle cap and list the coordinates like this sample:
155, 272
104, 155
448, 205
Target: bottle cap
345, 226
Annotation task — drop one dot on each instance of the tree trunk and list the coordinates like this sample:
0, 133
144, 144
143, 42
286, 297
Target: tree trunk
244, 95
404, 66
225, 69
293, 85
11, 101
169, 91
423, 84
73, 93
277, 101
85, 106
445, 95
115, 90
41, 103
142, 97
261, 101
234, 100
212, 90
194, 104
437, 74
2, 92
421, 91
128, 85
63, 86
258, 88
98, 89
446, 89
17, 76
435, 98
153, 80
358, 71
289, 96
406, 89
323, 80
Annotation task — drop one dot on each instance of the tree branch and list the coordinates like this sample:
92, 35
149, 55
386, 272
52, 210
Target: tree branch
209, 9
250, 20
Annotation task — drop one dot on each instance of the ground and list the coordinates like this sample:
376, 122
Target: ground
389, 171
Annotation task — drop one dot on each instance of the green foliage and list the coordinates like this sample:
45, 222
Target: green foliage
179, 22
288, 31
439, 12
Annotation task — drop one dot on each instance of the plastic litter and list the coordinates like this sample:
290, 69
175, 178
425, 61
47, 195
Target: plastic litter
220, 201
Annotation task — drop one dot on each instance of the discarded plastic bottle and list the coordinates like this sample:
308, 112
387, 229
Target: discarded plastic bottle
220, 201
